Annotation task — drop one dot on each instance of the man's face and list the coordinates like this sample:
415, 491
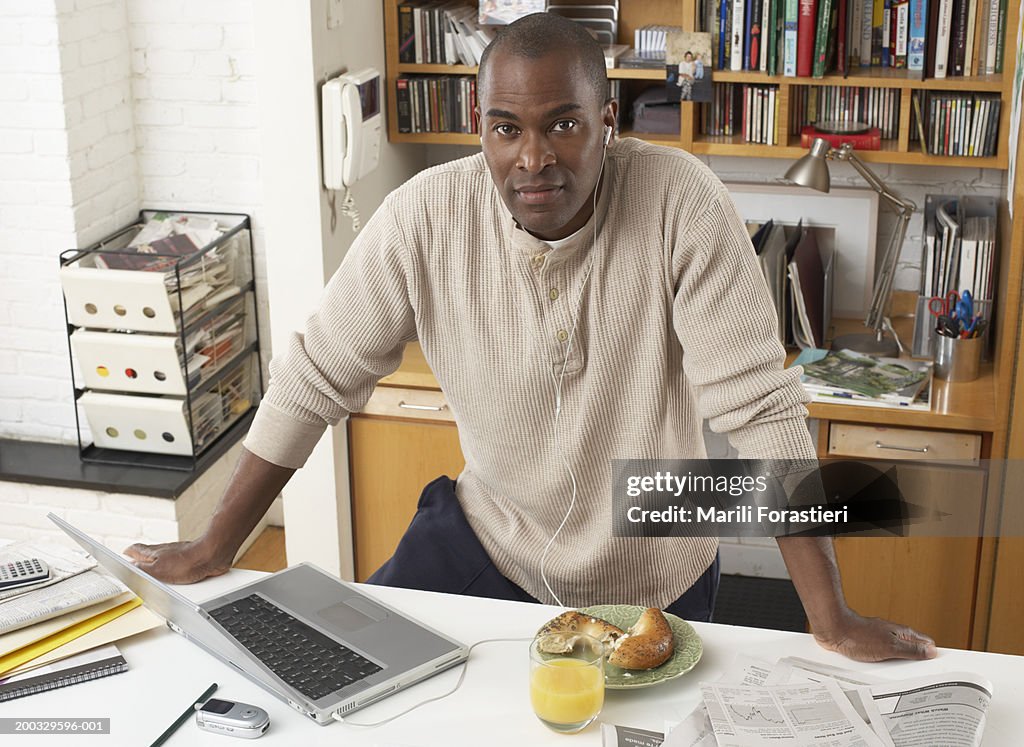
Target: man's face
542, 131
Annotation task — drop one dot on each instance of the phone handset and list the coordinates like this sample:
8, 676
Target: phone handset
351, 129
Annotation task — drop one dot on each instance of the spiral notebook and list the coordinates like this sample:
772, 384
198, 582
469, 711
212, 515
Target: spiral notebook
90, 665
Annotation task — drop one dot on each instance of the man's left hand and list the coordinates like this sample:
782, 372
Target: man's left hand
874, 639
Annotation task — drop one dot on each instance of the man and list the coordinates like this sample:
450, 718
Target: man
579, 300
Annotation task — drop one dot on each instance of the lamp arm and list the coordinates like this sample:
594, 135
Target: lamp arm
904, 208
901, 205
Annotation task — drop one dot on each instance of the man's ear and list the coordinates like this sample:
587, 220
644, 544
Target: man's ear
476, 117
610, 114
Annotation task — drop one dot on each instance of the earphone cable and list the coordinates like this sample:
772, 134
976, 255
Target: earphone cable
458, 684
558, 392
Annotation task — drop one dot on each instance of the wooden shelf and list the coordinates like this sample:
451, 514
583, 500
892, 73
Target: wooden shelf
869, 78
615, 73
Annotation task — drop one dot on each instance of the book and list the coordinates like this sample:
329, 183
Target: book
821, 37
915, 35
943, 37
790, 30
806, 37
870, 140
91, 665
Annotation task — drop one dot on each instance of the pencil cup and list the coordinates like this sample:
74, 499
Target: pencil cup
957, 359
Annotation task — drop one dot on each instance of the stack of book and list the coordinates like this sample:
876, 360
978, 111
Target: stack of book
60, 630
928, 38
878, 108
746, 109
850, 378
950, 123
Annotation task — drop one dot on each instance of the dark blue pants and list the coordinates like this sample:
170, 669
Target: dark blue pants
440, 552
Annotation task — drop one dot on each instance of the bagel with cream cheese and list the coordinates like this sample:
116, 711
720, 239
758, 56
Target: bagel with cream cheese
572, 623
647, 644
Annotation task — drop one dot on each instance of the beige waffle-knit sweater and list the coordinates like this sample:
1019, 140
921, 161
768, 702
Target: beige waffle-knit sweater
675, 326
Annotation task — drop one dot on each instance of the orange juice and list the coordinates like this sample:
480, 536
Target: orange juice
566, 691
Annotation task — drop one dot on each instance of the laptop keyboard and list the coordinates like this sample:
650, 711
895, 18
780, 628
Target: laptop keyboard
305, 658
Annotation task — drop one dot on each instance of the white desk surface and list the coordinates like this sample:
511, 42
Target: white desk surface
166, 673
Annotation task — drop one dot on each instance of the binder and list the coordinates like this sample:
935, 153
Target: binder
91, 665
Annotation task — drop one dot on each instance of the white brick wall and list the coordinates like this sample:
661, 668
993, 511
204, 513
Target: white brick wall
195, 108
107, 106
36, 220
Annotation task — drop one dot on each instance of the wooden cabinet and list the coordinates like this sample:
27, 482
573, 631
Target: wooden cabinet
403, 439
925, 582
636, 13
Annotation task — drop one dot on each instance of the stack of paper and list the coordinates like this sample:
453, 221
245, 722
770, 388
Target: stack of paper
848, 377
76, 610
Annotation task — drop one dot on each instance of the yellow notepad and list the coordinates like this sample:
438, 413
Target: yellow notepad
44, 645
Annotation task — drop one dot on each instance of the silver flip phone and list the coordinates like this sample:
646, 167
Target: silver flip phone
231, 718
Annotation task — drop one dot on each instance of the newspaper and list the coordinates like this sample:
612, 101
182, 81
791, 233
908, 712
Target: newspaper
64, 562
800, 714
946, 708
70, 594
949, 709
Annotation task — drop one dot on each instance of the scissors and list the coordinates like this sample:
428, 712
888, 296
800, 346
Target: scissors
944, 305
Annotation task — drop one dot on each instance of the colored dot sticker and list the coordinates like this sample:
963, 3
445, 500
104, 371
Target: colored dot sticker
112, 432
131, 373
102, 370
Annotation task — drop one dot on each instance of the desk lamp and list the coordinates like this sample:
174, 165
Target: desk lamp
812, 171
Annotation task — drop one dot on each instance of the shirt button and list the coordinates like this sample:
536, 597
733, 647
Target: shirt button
562, 335
538, 260
553, 294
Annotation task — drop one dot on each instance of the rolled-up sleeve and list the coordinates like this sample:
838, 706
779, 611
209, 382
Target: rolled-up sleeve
732, 357
355, 337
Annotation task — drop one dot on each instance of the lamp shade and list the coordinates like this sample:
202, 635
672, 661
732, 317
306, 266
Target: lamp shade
812, 170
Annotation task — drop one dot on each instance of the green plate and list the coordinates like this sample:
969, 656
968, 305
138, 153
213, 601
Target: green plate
688, 648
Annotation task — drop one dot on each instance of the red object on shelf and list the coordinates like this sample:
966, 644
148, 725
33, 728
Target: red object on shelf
870, 140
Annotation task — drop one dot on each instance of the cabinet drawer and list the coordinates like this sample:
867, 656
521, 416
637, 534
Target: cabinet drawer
873, 442
415, 404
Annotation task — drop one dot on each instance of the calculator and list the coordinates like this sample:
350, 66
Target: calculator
23, 573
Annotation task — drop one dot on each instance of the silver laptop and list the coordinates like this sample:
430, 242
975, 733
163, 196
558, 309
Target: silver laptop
316, 642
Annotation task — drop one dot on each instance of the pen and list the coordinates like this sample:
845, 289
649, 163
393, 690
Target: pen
184, 716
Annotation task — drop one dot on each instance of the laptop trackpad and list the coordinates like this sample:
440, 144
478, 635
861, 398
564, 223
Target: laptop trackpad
353, 614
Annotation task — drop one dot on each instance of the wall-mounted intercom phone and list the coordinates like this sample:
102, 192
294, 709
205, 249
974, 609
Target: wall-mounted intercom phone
352, 127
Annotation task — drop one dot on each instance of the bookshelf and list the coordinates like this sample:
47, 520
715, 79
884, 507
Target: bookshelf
636, 13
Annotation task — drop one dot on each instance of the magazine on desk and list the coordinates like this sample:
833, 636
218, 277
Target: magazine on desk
798, 701
851, 378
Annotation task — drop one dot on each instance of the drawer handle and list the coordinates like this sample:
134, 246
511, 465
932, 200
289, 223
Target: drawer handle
921, 450
431, 408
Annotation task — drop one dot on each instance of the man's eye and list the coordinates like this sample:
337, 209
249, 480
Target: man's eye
506, 129
564, 125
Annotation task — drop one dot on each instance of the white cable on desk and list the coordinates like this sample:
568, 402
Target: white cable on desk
462, 676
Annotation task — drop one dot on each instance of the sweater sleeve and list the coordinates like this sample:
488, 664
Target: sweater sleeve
355, 337
725, 321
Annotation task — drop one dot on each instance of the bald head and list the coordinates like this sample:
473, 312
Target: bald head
541, 34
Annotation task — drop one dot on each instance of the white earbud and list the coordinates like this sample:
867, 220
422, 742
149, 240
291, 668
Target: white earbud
607, 134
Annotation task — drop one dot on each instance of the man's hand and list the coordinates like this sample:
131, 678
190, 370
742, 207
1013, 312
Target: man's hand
874, 639
178, 562
812, 565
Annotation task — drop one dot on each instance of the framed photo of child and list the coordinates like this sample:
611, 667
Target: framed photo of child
688, 66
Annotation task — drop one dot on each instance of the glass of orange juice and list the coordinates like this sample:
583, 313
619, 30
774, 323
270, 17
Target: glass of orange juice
566, 680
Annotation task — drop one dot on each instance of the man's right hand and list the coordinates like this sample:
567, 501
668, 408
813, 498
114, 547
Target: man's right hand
178, 562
